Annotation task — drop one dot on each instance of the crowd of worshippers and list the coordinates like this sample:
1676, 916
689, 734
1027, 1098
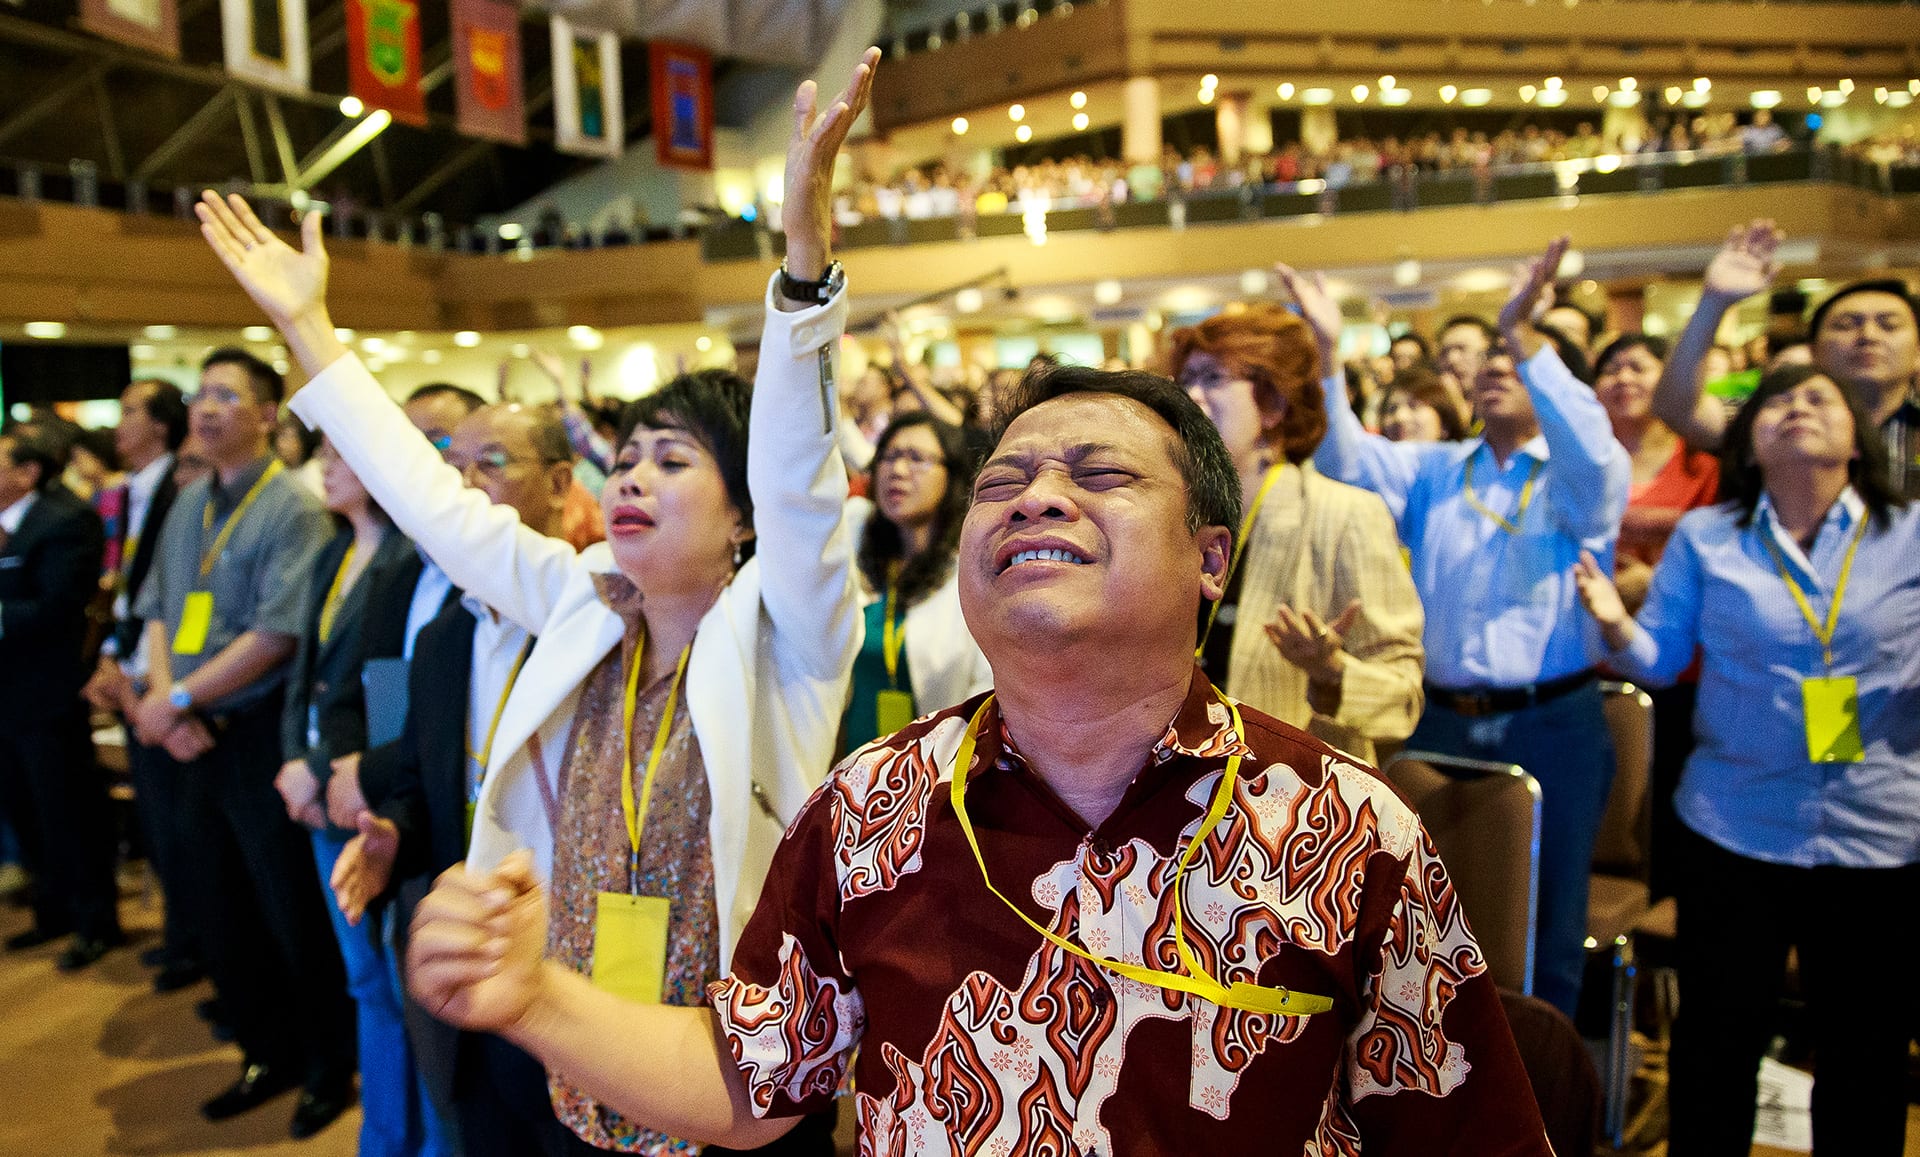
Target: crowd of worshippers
623, 824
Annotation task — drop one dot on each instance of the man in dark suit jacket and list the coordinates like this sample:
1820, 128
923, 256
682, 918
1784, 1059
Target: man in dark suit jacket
51, 545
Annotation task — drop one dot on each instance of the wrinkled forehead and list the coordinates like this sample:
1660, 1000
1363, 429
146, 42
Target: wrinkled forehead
503, 425
1076, 426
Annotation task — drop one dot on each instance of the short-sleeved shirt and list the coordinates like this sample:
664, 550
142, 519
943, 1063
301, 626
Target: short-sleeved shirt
876, 934
261, 579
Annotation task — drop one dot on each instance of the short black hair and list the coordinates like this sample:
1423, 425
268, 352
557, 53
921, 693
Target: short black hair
268, 385
1474, 320
166, 404
1652, 343
1595, 322
1572, 355
712, 405
35, 444
98, 441
1213, 486
1741, 483
461, 394
1421, 343
1891, 285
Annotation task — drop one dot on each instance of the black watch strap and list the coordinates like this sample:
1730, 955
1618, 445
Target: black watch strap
818, 292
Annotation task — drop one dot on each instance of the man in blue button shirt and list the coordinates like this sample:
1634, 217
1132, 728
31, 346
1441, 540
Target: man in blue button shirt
1494, 527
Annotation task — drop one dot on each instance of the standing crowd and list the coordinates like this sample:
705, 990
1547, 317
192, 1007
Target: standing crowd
648, 824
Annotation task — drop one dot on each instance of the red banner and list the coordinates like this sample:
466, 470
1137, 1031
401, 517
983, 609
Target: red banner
383, 57
682, 80
150, 24
486, 59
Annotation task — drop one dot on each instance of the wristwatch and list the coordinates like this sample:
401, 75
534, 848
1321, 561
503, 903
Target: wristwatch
813, 292
180, 697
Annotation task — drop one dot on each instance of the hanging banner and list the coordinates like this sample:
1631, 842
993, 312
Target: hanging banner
486, 61
266, 42
682, 80
153, 25
587, 107
383, 57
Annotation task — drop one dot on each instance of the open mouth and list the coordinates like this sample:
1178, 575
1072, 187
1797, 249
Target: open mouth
1050, 555
627, 520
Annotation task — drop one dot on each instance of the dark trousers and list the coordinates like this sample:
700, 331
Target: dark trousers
270, 943
57, 798
504, 1111
1565, 745
157, 798
1857, 943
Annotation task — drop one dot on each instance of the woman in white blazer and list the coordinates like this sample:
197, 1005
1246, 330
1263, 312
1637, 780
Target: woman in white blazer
724, 601
918, 656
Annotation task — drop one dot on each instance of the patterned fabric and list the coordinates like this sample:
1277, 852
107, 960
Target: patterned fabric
975, 1035
591, 855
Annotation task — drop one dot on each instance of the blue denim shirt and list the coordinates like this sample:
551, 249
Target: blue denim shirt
1749, 785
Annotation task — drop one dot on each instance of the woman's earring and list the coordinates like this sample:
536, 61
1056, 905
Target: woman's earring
738, 560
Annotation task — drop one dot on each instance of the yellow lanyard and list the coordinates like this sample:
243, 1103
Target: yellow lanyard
212, 553
637, 814
1239, 548
485, 755
1240, 995
330, 606
1821, 631
1520, 512
892, 638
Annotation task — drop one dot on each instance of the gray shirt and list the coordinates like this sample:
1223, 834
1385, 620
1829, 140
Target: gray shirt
259, 581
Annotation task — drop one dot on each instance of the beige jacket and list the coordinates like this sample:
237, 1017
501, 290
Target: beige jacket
1318, 545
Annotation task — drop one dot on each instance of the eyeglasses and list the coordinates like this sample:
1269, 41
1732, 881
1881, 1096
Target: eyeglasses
221, 395
914, 460
492, 463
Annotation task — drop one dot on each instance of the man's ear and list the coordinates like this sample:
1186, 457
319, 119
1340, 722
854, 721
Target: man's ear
560, 477
1216, 555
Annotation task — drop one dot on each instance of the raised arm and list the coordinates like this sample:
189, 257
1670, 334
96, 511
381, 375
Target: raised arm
794, 468
1349, 452
1745, 265
1588, 472
484, 548
1658, 644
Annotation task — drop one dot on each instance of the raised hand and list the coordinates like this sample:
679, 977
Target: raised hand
1747, 263
806, 213
288, 284
1317, 307
1602, 600
473, 957
365, 866
1532, 281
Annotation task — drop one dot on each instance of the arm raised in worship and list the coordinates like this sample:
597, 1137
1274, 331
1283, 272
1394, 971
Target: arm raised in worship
1588, 472
484, 548
1745, 265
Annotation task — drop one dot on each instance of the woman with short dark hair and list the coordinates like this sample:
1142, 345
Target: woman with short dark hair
1801, 800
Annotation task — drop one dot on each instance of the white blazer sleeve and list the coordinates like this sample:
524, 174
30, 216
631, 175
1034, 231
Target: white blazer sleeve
799, 485
483, 548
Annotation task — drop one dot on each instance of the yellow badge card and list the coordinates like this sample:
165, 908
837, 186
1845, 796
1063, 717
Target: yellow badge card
195, 620
630, 946
894, 710
1833, 719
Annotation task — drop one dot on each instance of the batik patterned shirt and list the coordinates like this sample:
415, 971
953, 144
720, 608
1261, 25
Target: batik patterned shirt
876, 939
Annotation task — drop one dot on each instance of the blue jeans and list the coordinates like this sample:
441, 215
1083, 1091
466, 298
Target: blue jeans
391, 1124
1565, 745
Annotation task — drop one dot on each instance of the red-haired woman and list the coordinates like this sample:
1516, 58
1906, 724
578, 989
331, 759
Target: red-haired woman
1334, 638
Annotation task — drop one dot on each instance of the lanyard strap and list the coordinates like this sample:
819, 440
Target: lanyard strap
212, 554
1239, 548
636, 814
892, 637
485, 755
330, 606
1519, 512
1240, 995
1821, 631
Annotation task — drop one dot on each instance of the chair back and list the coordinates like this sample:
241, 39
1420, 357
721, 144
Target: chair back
1484, 819
1626, 831
1565, 1083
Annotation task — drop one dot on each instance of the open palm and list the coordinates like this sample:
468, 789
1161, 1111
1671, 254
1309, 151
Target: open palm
283, 281
1531, 281
1317, 306
1747, 263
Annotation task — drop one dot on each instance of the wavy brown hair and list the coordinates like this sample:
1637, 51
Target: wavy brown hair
1275, 350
